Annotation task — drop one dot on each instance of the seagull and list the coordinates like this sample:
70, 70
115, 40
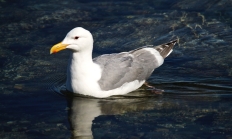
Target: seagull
108, 74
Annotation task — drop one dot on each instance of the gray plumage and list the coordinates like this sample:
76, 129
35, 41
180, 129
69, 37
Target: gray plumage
165, 49
137, 64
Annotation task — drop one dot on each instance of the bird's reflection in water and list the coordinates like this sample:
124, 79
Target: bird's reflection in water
83, 110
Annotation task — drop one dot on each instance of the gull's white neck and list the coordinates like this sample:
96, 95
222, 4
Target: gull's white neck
82, 73
83, 58
79, 65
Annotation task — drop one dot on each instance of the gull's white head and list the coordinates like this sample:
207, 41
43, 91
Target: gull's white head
78, 39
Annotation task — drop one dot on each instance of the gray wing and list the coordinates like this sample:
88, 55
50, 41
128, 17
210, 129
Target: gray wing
165, 49
137, 64
120, 68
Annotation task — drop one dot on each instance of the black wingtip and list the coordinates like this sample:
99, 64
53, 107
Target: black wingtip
166, 49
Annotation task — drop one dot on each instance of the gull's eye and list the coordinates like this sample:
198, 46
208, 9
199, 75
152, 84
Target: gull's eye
76, 37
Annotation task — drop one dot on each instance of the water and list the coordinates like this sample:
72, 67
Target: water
196, 77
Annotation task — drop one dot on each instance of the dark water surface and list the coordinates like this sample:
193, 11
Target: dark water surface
196, 77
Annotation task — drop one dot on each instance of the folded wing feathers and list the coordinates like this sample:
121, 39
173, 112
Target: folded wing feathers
165, 49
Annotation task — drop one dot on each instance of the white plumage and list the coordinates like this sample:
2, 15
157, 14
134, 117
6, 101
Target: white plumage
107, 75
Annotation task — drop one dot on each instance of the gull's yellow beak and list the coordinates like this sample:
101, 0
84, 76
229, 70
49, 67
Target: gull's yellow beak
58, 47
